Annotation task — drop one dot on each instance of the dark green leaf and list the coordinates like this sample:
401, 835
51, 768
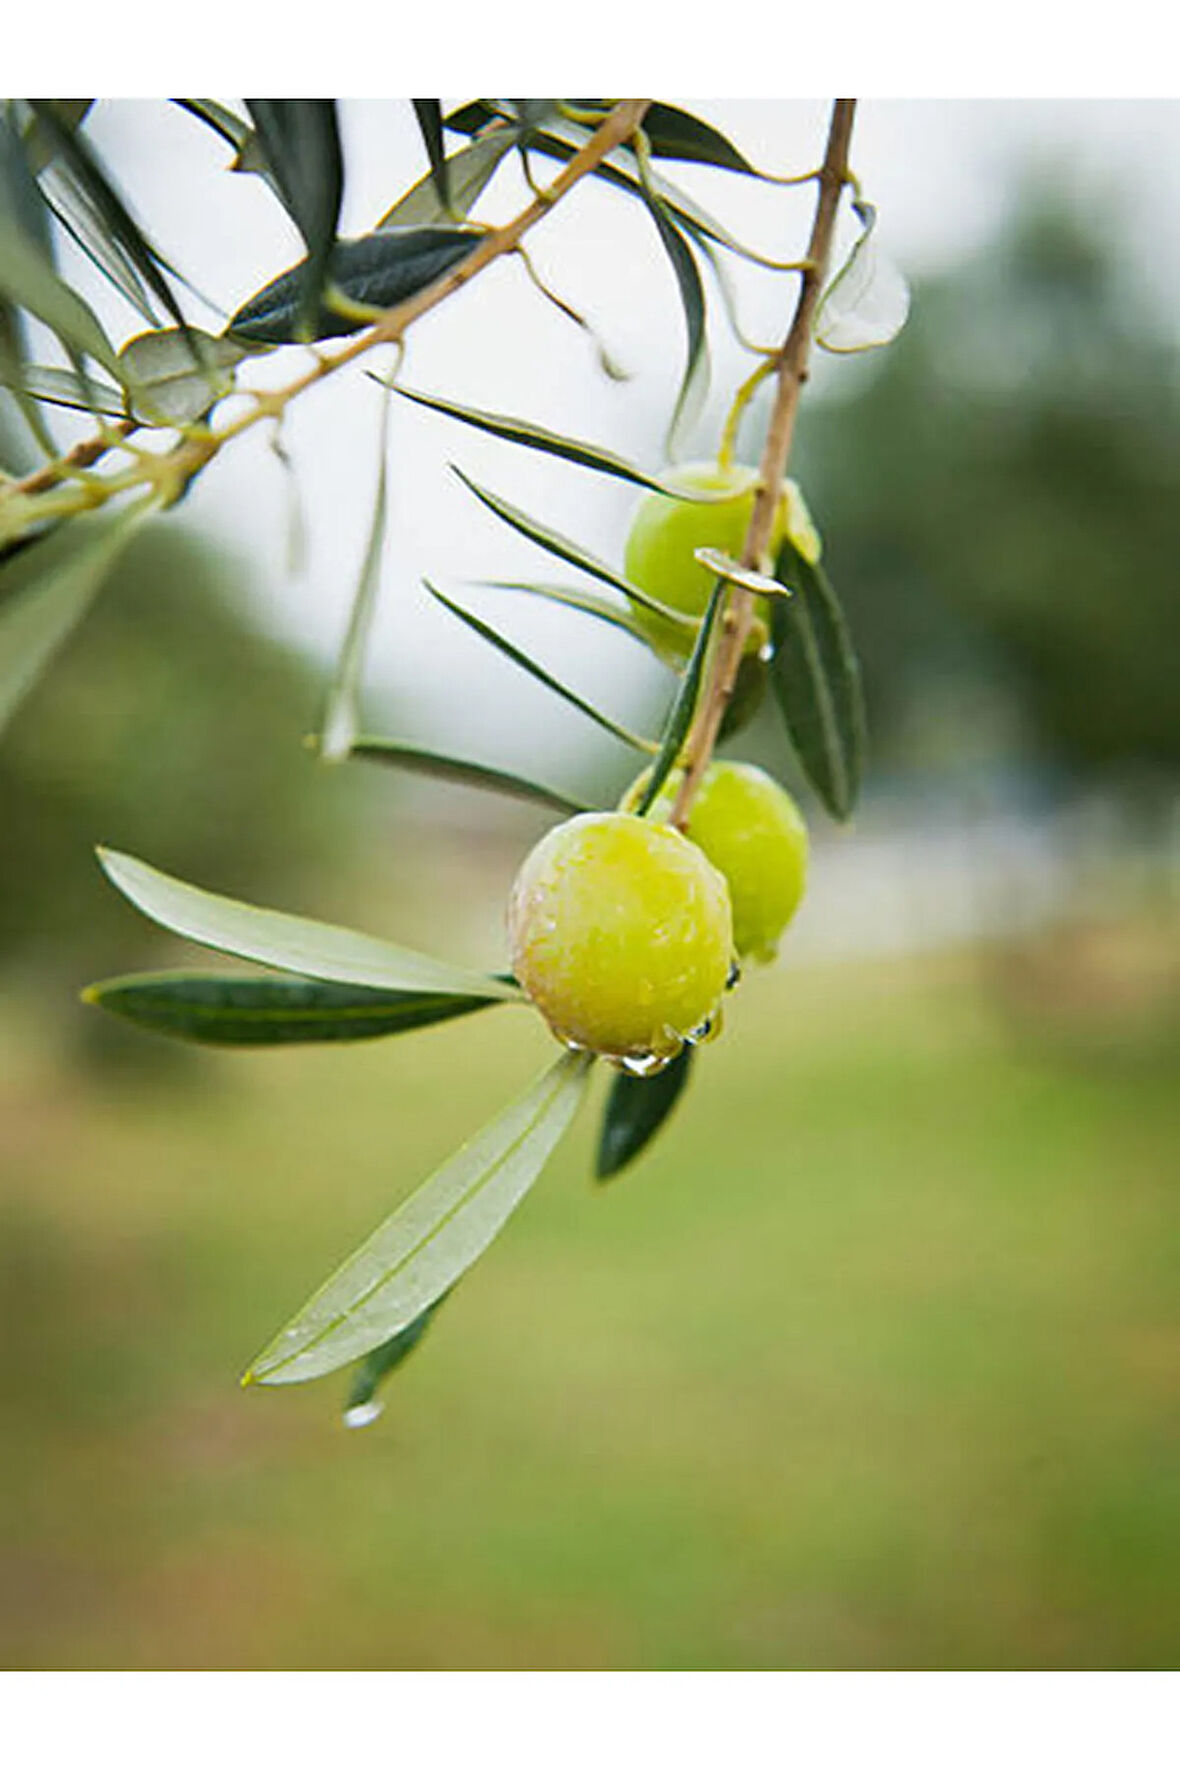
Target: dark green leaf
20, 199
361, 1409
376, 272
112, 228
419, 1252
300, 141
338, 727
468, 774
46, 588
429, 114
533, 436
570, 551
816, 681
528, 664
635, 1109
226, 123
61, 387
175, 377
71, 113
673, 134
685, 705
213, 1010
290, 943
695, 382
469, 172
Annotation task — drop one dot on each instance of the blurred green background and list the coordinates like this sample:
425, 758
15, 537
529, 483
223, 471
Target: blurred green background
872, 1363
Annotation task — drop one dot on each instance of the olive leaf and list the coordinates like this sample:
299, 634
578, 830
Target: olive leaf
465, 773
572, 552
694, 384
673, 134
85, 197
534, 436
428, 111
584, 601
375, 272
45, 589
62, 387
361, 1409
524, 662
290, 943
684, 706
816, 680
300, 142
29, 281
635, 1109
217, 1010
174, 377
341, 712
428, 1243
469, 172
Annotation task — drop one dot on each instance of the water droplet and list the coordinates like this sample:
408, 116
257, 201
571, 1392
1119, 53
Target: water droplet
708, 1030
573, 1044
646, 1063
735, 975
363, 1414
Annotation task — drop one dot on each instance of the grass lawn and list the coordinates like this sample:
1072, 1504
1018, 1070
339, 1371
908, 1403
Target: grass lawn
871, 1363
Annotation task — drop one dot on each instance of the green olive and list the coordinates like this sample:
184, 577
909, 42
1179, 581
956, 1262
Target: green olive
754, 834
620, 932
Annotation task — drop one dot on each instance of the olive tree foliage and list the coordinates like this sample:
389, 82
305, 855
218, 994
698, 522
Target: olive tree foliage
169, 402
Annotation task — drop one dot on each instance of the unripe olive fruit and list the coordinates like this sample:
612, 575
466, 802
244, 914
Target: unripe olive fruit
666, 532
621, 934
753, 832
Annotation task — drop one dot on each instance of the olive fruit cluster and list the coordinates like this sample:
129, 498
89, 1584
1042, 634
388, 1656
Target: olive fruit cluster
623, 932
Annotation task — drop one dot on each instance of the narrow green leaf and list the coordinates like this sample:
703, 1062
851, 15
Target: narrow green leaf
816, 680
684, 706
584, 601
289, 943
61, 387
635, 1109
428, 111
175, 377
20, 198
432, 1239
694, 384
71, 113
339, 725
570, 551
375, 272
46, 588
469, 172
465, 773
534, 436
300, 140
29, 280
361, 1409
217, 1010
528, 664
111, 223
224, 122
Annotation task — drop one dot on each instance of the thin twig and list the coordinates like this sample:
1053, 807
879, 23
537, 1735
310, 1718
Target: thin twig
791, 369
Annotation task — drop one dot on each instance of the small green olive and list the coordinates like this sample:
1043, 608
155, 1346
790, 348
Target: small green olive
620, 932
666, 532
754, 834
